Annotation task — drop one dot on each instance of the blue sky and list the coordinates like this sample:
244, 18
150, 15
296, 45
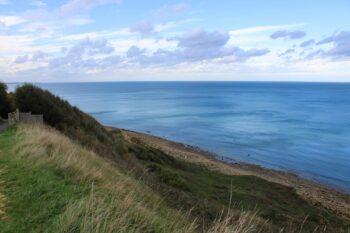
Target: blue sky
130, 40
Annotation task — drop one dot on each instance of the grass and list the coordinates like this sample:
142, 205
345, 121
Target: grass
34, 189
167, 176
214, 191
84, 178
69, 120
54, 185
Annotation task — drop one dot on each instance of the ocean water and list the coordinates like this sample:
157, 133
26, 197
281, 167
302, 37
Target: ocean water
299, 127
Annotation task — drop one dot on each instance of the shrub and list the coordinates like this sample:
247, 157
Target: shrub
168, 177
5, 107
68, 119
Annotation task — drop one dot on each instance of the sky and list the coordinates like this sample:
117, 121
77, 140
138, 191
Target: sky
198, 40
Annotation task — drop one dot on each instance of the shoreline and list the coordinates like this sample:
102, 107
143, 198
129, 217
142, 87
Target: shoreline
333, 199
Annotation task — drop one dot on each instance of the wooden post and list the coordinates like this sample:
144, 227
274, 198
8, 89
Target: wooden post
17, 115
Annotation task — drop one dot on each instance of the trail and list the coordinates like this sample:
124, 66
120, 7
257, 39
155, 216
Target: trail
3, 127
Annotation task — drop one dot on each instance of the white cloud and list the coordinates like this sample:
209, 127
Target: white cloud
11, 20
307, 43
201, 38
287, 52
79, 5
134, 51
19, 44
21, 59
288, 34
86, 55
38, 3
113, 34
167, 11
266, 28
40, 45
39, 56
79, 20
144, 28
2, 25
90, 47
4, 2
340, 46
195, 46
260, 36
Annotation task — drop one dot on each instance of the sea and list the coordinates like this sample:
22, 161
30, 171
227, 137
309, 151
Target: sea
298, 127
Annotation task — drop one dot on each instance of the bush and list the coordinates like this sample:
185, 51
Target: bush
5, 106
68, 119
168, 177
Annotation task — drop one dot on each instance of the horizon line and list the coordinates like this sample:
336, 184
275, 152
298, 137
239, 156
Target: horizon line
180, 81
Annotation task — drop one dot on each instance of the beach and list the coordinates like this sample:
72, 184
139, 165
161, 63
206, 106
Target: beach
335, 200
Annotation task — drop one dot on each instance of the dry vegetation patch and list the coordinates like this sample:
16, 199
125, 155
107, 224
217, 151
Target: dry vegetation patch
118, 202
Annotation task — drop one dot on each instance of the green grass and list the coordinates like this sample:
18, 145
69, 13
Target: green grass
47, 180
213, 191
52, 184
68, 119
36, 195
167, 176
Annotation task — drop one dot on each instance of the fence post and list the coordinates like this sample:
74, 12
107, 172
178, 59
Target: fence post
17, 114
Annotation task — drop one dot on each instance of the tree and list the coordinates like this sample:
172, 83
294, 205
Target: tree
5, 107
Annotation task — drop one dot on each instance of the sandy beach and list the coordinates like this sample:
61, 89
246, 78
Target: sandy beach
332, 199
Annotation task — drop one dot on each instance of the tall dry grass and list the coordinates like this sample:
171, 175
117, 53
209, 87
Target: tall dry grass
117, 202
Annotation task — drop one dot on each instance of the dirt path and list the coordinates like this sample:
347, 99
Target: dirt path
3, 127
319, 195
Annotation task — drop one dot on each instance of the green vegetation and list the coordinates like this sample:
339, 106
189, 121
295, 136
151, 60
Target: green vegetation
207, 192
82, 177
34, 189
54, 185
168, 177
69, 120
6, 103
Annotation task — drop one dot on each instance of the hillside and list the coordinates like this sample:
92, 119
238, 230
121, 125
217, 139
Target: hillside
68, 119
75, 175
50, 184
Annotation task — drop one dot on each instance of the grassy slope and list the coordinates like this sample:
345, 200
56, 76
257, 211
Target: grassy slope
69, 120
213, 191
33, 189
54, 185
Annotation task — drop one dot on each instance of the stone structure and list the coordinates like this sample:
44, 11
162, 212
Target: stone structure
25, 117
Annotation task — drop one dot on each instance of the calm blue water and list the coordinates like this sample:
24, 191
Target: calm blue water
302, 127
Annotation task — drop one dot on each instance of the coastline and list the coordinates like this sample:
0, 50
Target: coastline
335, 200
